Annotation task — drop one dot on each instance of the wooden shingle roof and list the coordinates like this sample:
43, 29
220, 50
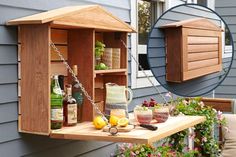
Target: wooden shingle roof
198, 23
85, 16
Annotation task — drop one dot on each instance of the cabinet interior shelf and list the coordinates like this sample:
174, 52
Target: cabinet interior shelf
110, 71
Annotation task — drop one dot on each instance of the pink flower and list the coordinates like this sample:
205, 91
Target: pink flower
187, 148
130, 145
192, 135
158, 154
169, 94
132, 154
204, 139
201, 104
185, 102
219, 115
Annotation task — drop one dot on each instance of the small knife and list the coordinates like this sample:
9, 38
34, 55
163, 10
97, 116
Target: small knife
146, 126
149, 127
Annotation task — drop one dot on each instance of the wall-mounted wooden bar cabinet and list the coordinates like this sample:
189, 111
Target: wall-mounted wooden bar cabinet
74, 31
193, 49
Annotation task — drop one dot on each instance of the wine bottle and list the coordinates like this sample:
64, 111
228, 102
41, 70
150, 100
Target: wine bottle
77, 94
69, 108
56, 104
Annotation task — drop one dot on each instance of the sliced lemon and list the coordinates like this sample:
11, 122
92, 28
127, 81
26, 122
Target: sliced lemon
113, 120
123, 122
99, 122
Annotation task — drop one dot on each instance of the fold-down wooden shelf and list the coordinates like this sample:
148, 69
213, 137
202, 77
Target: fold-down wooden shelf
86, 131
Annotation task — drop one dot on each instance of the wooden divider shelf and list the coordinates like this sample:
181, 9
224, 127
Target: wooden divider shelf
111, 71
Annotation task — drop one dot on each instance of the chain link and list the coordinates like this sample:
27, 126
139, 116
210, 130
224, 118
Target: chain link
145, 74
78, 82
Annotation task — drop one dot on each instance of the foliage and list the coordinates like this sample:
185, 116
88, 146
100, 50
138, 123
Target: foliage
133, 150
144, 150
204, 138
175, 146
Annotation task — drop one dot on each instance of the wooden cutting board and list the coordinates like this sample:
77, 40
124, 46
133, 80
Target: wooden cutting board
128, 128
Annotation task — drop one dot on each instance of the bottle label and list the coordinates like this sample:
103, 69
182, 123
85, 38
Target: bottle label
57, 114
78, 97
72, 113
57, 90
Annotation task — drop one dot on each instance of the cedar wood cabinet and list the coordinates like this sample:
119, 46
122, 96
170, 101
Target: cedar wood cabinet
74, 31
193, 49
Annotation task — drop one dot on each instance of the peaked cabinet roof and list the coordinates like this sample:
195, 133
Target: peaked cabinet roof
199, 23
85, 16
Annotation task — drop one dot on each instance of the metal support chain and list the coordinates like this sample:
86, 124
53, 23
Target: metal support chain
145, 74
78, 82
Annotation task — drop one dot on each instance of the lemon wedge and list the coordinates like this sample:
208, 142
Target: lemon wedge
113, 120
123, 122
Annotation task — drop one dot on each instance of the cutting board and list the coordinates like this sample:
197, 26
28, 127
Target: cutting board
128, 128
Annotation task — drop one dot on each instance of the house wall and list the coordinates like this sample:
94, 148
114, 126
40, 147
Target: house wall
12, 143
227, 10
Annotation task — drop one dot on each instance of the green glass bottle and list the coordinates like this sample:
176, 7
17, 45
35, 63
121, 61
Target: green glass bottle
77, 94
56, 104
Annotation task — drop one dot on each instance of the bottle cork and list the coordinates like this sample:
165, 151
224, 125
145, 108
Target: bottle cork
75, 69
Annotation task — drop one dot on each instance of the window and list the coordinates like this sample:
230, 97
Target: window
202, 2
226, 42
147, 15
144, 26
144, 13
207, 3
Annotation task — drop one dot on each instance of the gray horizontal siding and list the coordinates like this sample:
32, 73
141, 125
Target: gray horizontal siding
227, 10
156, 52
8, 54
12, 143
11, 110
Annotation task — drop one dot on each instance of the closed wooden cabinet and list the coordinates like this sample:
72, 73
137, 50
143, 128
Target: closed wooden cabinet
193, 49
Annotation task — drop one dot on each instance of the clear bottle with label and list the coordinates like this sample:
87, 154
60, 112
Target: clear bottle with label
56, 104
77, 94
69, 108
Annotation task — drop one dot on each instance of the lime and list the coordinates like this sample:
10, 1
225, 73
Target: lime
103, 66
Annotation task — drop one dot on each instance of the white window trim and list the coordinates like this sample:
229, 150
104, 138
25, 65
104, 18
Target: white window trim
138, 79
225, 48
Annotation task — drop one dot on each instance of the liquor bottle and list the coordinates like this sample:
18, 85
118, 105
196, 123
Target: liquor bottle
56, 104
77, 94
69, 108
